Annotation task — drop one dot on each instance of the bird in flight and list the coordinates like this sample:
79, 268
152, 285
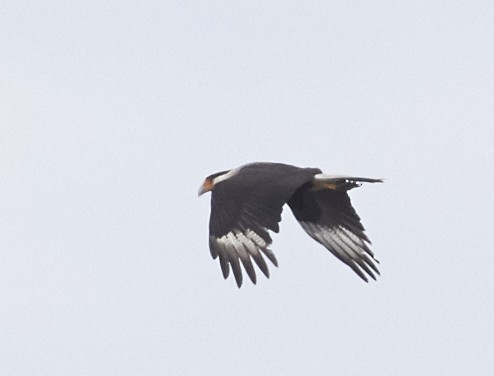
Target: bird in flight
247, 201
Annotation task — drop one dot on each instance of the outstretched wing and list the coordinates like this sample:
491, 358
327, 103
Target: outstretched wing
324, 210
243, 208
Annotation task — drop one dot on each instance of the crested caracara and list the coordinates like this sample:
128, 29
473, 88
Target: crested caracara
247, 201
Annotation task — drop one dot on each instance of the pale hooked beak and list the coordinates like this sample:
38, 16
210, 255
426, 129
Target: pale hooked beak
205, 187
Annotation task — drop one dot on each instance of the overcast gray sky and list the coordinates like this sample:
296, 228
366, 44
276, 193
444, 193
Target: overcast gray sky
113, 112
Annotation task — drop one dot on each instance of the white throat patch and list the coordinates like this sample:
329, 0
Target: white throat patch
223, 177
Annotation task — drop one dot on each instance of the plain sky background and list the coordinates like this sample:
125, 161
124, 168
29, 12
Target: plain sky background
113, 112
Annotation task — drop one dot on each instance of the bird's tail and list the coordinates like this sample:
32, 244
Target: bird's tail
341, 182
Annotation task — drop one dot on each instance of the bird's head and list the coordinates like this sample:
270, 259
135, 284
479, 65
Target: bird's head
210, 182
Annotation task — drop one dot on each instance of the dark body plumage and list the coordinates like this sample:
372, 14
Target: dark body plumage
247, 202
